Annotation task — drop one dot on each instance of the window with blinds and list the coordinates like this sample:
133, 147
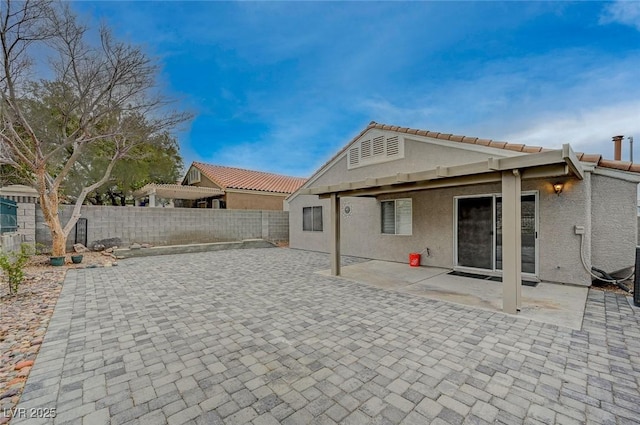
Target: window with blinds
312, 219
396, 217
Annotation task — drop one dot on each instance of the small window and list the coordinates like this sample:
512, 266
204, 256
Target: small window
396, 217
312, 219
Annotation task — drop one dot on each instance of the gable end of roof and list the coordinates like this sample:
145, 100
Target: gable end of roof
239, 178
596, 159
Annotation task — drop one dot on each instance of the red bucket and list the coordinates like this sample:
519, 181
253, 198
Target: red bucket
414, 259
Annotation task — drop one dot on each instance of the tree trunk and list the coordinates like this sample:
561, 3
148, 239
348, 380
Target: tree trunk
59, 239
49, 202
59, 247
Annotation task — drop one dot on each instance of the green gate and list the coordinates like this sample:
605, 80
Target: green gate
8, 216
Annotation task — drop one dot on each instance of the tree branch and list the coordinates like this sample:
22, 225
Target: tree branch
83, 194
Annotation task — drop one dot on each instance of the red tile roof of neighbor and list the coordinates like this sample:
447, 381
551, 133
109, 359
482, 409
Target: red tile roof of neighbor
594, 158
238, 178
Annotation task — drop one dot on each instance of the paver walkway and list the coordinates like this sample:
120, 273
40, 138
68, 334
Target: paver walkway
255, 336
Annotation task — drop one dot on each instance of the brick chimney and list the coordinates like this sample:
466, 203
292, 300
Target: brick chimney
617, 147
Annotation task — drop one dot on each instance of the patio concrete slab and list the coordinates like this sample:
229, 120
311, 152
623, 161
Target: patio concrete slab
547, 302
256, 336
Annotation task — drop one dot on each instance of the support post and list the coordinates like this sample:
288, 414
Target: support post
335, 234
636, 280
152, 199
511, 241
518, 231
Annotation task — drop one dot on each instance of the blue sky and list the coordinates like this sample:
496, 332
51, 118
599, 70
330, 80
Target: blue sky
281, 86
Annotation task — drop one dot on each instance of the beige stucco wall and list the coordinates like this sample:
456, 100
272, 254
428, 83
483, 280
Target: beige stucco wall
247, 200
558, 245
253, 201
434, 227
614, 221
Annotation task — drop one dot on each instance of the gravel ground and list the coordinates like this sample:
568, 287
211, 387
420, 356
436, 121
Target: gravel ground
24, 319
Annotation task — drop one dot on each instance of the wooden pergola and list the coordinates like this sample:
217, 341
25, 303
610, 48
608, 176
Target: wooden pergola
509, 171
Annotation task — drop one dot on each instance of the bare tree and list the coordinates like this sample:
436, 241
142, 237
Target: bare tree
86, 95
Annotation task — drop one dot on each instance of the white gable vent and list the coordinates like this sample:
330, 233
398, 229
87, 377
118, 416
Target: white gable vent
365, 148
354, 156
393, 146
378, 146
375, 149
193, 176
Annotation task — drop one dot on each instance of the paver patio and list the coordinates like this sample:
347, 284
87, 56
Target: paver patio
256, 336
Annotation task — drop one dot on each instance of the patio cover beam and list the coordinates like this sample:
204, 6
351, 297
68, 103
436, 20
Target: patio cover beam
545, 171
539, 165
421, 185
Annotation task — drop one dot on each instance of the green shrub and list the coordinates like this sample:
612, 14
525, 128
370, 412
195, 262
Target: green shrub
12, 265
42, 249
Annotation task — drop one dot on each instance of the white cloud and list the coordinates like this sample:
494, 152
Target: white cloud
384, 111
587, 131
622, 12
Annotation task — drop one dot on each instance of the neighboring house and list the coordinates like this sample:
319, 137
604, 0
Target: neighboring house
392, 191
241, 189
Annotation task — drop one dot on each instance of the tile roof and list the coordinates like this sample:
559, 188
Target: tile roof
593, 158
238, 178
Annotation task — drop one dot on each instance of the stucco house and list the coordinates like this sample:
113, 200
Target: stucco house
472, 205
218, 186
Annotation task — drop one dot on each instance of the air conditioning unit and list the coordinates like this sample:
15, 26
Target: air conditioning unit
215, 203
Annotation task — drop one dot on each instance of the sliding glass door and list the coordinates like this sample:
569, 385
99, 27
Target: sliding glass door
475, 232
479, 232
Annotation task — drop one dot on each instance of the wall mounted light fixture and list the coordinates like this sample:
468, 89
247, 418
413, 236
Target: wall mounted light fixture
557, 187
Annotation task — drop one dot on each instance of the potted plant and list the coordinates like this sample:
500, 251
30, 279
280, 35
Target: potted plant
76, 259
56, 261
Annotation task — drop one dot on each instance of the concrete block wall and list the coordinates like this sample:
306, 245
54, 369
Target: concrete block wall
614, 223
276, 226
27, 221
171, 226
26, 233
10, 242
